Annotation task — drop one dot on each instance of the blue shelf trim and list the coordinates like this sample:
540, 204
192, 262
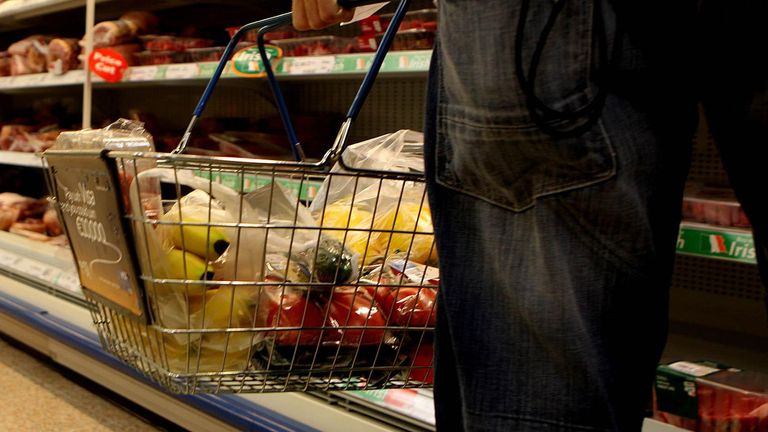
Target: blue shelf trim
233, 410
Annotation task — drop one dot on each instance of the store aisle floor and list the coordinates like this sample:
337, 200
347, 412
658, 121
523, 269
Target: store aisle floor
37, 395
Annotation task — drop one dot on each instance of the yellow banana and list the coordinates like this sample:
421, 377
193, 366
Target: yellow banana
197, 238
187, 266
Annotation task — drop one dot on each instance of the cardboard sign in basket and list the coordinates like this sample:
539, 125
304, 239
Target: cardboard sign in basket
87, 189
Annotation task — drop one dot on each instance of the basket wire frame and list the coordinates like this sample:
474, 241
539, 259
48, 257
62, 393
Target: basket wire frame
198, 358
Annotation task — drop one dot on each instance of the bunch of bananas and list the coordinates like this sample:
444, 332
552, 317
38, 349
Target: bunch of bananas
195, 245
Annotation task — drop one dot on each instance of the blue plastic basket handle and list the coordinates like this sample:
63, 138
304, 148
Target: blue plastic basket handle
269, 24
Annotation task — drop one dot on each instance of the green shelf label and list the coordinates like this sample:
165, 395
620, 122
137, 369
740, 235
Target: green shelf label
709, 242
305, 190
405, 61
247, 62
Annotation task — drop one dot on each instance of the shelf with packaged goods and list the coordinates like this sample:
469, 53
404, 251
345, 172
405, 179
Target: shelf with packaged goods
11, 84
710, 241
401, 64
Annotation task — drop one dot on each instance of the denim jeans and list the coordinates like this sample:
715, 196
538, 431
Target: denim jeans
556, 252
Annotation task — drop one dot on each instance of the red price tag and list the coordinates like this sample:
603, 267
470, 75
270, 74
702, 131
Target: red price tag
108, 64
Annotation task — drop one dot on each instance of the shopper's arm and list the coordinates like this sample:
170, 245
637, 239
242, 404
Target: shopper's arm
318, 14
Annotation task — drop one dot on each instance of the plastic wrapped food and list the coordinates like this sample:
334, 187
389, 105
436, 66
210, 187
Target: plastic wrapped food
158, 43
709, 397
5, 63
402, 222
128, 27
418, 19
147, 58
715, 206
350, 307
252, 36
62, 55
212, 54
28, 56
314, 46
414, 39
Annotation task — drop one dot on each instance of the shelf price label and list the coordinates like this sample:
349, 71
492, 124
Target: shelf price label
247, 62
311, 65
108, 64
182, 71
142, 73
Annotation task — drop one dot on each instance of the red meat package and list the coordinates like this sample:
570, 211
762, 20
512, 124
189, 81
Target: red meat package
709, 397
125, 29
62, 55
714, 206
28, 56
5, 63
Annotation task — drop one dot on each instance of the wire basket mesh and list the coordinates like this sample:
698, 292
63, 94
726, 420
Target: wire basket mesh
255, 283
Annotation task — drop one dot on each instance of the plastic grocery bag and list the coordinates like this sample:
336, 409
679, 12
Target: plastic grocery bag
402, 151
363, 212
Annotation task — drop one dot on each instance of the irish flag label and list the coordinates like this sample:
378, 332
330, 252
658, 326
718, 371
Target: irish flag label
704, 240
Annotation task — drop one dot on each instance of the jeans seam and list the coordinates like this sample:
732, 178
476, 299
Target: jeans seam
532, 419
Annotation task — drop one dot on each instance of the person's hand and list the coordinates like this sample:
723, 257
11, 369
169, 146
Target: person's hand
318, 14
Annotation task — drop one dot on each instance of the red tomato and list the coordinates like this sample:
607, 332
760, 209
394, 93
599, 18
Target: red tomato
350, 309
382, 295
422, 357
413, 306
295, 311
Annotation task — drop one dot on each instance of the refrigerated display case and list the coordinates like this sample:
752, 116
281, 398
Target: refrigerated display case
717, 301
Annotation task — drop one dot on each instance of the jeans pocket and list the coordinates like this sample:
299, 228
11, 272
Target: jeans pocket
492, 158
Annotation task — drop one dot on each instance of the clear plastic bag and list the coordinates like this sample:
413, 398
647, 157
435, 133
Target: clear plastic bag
364, 212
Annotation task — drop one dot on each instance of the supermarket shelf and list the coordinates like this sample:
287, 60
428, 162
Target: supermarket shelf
50, 268
20, 159
716, 242
401, 64
43, 80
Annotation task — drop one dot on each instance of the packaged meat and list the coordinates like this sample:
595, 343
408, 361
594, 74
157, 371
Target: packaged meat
313, 46
251, 36
715, 206
10, 133
128, 51
62, 55
5, 63
143, 21
146, 58
709, 397
52, 224
157, 43
28, 55
372, 25
128, 27
187, 43
414, 39
425, 19
212, 54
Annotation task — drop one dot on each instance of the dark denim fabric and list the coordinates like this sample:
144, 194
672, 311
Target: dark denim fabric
556, 253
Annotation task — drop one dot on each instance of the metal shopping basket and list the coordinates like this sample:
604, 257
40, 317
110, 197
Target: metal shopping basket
244, 292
